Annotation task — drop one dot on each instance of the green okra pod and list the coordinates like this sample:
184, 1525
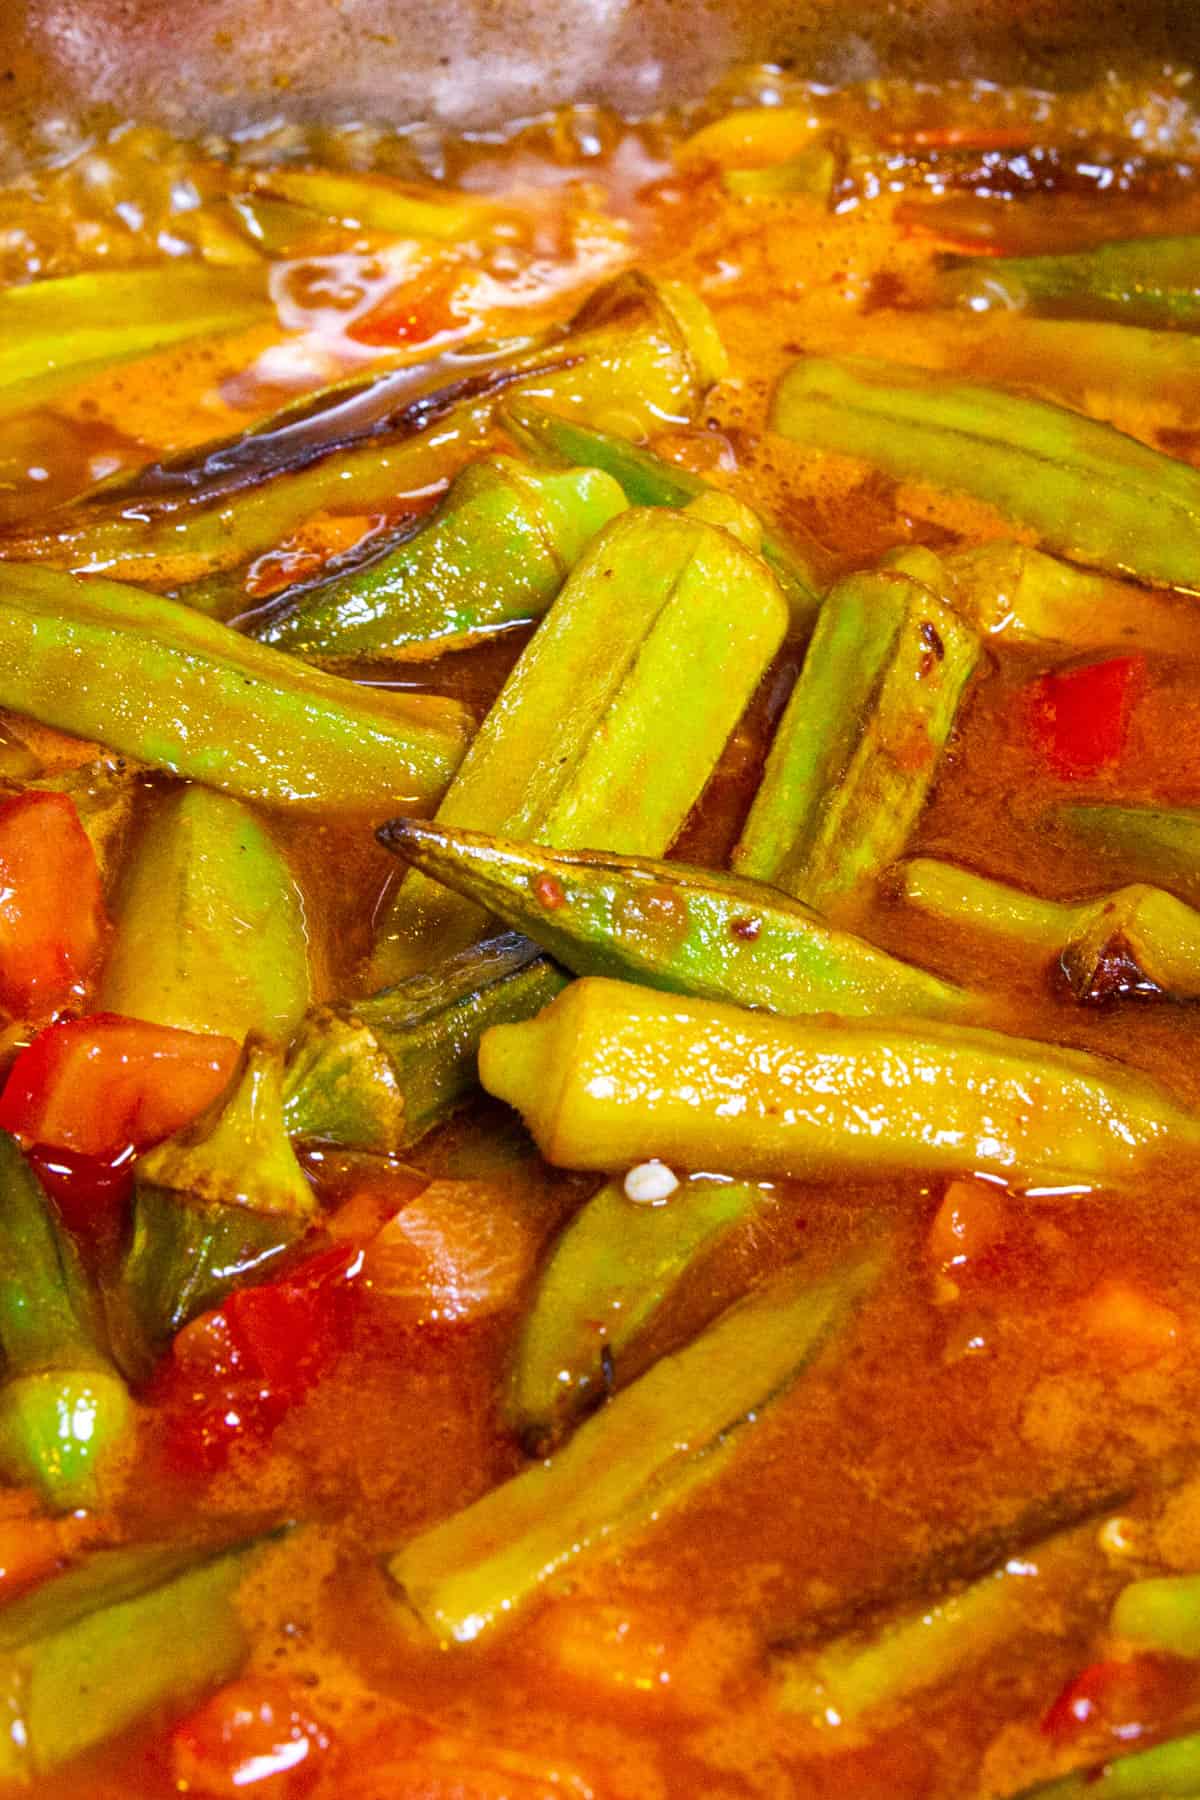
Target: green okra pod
1161, 1612
648, 480
670, 1430
1139, 939
379, 1073
608, 1277
616, 712
127, 1632
637, 353
1021, 595
1152, 281
611, 1074
1150, 843
66, 1419
1091, 492
1168, 1771
211, 932
494, 554
686, 930
857, 749
156, 681
216, 1206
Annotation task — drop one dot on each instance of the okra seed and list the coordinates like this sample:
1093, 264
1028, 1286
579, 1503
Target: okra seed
650, 1183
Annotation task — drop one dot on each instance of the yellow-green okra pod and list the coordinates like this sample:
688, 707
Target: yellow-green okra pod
1137, 281
159, 682
616, 712
211, 932
1023, 596
1090, 491
857, 749
610, 1074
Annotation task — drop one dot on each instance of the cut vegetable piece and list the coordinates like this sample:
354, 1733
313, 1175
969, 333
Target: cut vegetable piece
615, 714
494, 554
98, 1084
128, 1631
1021, 595
647, 480
686, 930
52, 917
1160, 1613
649, 1449
609, 1276
811, 173
401, 209
217, 1206
1170, 1769
66, 1419
1080, 716
610, 1074
1089, 491
857, 749
155, 680
1151, 281
1151, 843
381, 1072
637, 353
211, 932
58, 331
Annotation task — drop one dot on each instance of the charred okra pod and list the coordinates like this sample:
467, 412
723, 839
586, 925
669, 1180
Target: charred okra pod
616, 712
1139, 940
1091, 492
215, 1206
686, 930
65, 1416
1024, 596
664, 1435
609, 1276
611, 1074
153, 680
1149, 843
494, 554
1151, 281
210, 931
857, 748
381, 1072
637, 353
647, 480
88, 1653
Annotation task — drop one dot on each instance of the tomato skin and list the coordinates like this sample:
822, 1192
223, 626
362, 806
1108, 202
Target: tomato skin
98, 1084
413, 313
53, 921
1120, 1699
91, 1192
1080, 716
251, 1736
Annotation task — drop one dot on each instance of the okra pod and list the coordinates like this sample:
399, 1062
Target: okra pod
1014, 592
857, 749
87, 1654
494, 554
1150, 843
685, 930
1170, 1769
614, 715
611, 1074
1153, 281
153, 680
636, 354
56, 332
211, 932
812, 172
1091, 492
1136, 940
376, 202
648, 480
380, 1073
670, 1430
66, 1419
216, 1205
608, 1277
1160, 1613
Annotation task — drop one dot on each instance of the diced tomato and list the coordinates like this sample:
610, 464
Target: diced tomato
91, 1192
255, 1733
1080, 716
969, 1221
414, 313
98, 1084
235, 1372
1122, 1698
52, 917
